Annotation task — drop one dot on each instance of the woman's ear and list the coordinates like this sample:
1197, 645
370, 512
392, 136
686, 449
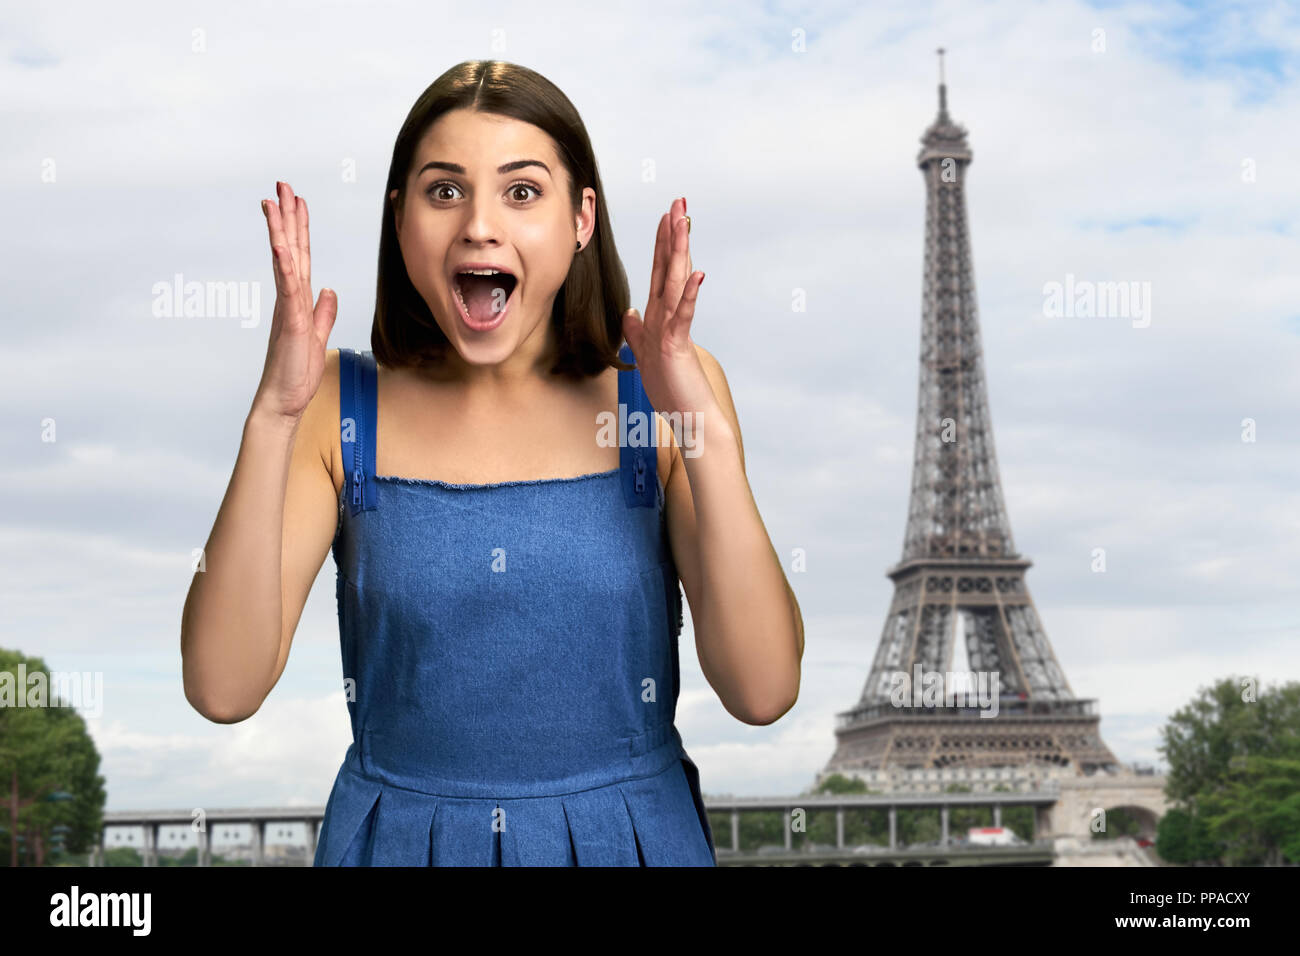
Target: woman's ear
397, 210
585, 221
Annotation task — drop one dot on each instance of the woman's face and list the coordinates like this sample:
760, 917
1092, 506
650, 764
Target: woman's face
485, 188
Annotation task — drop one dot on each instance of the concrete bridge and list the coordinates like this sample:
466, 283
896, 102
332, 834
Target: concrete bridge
258, 818
1067, 810
1079, 811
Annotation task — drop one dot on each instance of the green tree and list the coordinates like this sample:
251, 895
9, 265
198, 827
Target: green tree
1201, 739
1183, 838
1256, 816
44, 750
1234, 758
123, 856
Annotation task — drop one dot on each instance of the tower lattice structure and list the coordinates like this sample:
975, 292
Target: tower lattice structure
959, 569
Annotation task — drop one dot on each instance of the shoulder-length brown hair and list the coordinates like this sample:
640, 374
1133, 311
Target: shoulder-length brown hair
586, 318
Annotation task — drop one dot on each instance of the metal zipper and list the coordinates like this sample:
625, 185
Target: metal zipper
640, 403
358, 432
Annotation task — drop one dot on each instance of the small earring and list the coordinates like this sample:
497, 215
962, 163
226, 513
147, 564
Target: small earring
578, 247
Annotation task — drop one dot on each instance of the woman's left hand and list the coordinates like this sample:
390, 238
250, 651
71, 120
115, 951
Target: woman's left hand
661, 342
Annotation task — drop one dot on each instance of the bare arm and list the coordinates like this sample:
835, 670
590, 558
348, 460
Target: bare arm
748, 625
277, 519
267, 546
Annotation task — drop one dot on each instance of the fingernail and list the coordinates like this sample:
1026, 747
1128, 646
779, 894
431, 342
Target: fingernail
263, 207
683, 205
701, 278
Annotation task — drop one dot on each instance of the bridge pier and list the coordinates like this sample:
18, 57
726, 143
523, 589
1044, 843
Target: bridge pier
150, 841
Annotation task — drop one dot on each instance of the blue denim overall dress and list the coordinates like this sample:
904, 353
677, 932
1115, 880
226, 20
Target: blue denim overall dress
510, 661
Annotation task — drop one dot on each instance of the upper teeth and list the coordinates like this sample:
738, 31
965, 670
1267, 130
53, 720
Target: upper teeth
481, 272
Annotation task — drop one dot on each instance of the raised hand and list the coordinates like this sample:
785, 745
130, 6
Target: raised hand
670, 369
295, 354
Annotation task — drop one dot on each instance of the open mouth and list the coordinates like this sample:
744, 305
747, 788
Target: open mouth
483, 298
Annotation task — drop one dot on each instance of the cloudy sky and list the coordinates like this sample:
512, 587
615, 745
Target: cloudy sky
1150, 143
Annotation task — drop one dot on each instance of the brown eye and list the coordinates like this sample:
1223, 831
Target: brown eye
517, 186
432, 190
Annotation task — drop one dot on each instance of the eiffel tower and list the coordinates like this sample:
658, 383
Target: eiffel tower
959, 567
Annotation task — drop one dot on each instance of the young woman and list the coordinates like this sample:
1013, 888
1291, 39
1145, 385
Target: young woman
508, 506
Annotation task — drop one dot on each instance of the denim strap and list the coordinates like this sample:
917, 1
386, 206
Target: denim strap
638, 463
358, 400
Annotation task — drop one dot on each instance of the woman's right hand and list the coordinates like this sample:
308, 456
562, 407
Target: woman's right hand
295, 355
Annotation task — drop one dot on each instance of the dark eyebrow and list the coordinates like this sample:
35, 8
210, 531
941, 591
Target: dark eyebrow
501, 170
